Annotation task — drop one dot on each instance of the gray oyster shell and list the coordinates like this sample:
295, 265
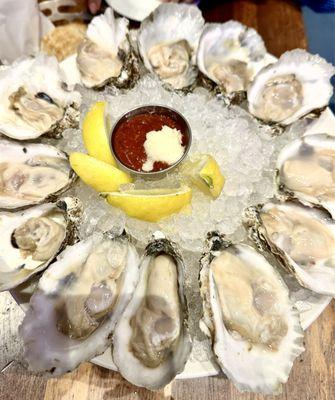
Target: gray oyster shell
31, 174
78, 300
32, 238
248, 315
153, 360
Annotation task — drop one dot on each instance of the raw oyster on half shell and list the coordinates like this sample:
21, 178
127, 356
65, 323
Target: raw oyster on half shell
31, 174
151, 343
106, 56
34, 100
168, 41
31, 239
303, 239
289, 89
306, 171
79, 298
254, 328
230, 54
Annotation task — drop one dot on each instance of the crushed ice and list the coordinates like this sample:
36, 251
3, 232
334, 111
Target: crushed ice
244, 149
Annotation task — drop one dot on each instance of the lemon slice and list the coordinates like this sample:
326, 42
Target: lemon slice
151, 205
97, 174
96, 127
204, 172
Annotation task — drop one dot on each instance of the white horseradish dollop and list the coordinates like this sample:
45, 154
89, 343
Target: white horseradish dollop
164, 145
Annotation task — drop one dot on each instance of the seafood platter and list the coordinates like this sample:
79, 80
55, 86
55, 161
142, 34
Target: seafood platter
167, 201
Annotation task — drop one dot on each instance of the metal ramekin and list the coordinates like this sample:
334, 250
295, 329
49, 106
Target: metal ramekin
152, 109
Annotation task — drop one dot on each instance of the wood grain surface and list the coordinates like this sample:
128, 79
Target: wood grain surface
279, 22
312, 378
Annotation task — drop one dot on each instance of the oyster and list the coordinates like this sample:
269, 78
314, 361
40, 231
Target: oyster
168, 41
78, 300
294, 86
34, 100
151, 342
255, 330
32, 173
105, 55
31, 239
302, 238
230, 54
306, 171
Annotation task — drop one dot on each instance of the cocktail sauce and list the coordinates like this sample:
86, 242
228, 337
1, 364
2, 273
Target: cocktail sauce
130, 135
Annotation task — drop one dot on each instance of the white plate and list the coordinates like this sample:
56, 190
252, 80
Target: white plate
202, 363
134, 9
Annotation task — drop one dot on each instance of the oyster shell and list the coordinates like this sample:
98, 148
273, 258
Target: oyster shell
168, 41
78, 300
302, 238
254, 328
31, 174
34, 100
230, 54
294, 86
306, 171
31, 239
151, 343
106, 56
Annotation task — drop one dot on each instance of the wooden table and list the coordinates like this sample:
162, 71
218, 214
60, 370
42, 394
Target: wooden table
312, 378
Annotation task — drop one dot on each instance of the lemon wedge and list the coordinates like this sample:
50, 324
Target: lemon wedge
99, 175
151, 205
204, 172
95, 133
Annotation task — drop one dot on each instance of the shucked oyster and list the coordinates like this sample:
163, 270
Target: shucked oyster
297, 84
31, 239
168, 41
230, 54
34, 100
105, 56
306, 170
31, 174
151, 342
255, 330
303, 238
78, 300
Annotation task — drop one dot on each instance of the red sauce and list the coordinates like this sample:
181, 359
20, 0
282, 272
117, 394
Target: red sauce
130, 135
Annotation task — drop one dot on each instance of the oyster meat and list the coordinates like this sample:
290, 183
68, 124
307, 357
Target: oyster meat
254, 328
34, 100
306, 171
302, 238
31, 174
32, 238
105, 55
151, 343
79, 298
168, 41
230, 54
289, 89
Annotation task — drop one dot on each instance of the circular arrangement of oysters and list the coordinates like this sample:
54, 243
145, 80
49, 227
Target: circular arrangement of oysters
97, 292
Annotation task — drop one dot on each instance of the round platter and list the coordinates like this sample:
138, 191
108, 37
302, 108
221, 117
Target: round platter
201, 362
243, 152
